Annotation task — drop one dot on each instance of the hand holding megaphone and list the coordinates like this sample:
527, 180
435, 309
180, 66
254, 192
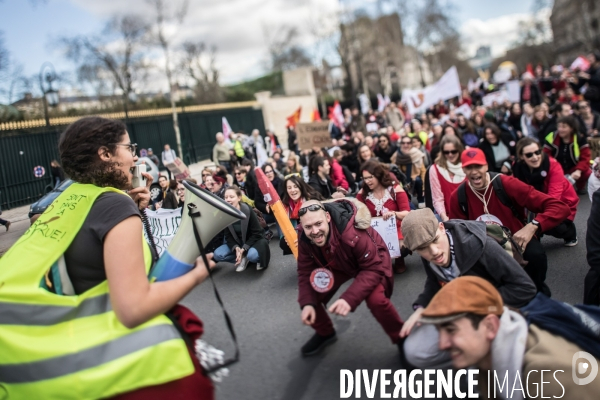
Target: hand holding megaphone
141, 194
200, 270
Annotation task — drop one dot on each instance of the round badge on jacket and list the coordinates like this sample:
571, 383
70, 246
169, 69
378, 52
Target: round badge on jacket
489, 219
321, 280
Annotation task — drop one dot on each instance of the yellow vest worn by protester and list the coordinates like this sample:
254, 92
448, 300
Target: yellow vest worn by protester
74, 347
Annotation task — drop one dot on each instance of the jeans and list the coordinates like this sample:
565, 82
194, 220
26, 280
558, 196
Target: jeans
537, 265
565, 230
224, 254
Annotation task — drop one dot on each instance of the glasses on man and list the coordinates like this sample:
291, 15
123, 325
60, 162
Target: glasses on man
448, 152
132, 147
536, 153
312, 207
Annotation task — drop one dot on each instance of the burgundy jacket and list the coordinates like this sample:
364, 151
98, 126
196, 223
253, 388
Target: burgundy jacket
359, 253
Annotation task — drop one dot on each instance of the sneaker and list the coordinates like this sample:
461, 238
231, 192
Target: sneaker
317, 343
571, 243
259, 267
7, 225
421, 205
243, 265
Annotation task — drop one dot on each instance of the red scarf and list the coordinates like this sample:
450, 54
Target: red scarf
294, 208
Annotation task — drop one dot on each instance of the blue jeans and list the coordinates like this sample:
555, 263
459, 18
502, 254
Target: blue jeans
224, 253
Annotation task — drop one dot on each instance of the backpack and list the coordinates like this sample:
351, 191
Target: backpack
500, 234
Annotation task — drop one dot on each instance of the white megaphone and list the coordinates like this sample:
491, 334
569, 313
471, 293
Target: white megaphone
213, 215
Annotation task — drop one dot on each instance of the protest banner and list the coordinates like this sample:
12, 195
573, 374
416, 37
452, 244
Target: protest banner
163, 225
446, 88
388, 231
313, 134
513, 89
464, 110
179, 169
500, 97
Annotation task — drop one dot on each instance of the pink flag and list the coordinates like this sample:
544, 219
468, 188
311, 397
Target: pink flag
580, 63
226, 128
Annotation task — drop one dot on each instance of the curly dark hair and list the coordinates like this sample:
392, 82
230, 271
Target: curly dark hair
306, 191
379, 171
78, 147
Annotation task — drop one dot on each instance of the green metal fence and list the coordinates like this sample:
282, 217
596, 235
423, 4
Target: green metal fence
22, 151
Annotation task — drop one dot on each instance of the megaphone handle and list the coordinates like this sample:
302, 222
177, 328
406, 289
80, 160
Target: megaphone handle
236, 357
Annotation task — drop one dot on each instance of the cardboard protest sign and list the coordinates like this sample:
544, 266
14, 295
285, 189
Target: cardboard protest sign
314, 134
179, 169
164, 225
388, 231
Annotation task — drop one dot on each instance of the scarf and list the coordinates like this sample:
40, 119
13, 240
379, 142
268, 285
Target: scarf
294, 207
534, 178
456, 170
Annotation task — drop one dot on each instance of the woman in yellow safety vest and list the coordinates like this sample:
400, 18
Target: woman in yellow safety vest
79, 318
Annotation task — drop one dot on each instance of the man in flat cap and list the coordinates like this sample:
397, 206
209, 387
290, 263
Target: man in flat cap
516, 360
448, 250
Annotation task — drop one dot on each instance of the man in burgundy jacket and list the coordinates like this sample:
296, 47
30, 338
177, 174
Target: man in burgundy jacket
484, 204
336, 244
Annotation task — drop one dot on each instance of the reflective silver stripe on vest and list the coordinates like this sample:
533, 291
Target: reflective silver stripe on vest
93, 357
45, 315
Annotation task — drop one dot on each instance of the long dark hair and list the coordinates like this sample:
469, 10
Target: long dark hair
78, 147
306, 191
379, 171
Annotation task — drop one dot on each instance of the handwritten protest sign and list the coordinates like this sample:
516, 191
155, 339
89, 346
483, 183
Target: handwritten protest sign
163, 224
388, 231
314, 134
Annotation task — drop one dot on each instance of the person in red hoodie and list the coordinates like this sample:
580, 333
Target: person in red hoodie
337, 172
545, 174
336, 244
504, 203
571, 150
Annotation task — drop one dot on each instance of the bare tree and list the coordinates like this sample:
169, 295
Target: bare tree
123, 62
199, 64
163, 17
4, 55
284, 51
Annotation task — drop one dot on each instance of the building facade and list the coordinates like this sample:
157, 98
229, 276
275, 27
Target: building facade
575, 27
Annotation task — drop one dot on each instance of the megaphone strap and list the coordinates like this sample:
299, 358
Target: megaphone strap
194, 213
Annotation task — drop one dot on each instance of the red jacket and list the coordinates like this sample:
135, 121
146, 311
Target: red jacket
359, 253
550, 211
558, 187
337, 175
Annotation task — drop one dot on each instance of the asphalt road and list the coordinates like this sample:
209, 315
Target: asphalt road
265, 313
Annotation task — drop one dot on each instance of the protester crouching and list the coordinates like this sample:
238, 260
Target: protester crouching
571, 150
545, 174
504, 203
449, 250
336, 244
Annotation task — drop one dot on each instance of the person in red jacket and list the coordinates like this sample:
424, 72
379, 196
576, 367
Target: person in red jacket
545, 174
571, 150
336, 244
485, 201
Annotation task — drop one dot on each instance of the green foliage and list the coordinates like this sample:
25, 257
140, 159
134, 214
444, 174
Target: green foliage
245, 91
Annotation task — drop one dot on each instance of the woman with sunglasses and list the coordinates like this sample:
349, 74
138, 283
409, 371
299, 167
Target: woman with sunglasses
384, 198
545, 174
245, 241
106, 266
446, 175
411, 162
239, 177
296, 193
206, 173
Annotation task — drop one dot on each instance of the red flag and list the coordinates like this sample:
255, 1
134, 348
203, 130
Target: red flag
530, 69
336, 114
315, 115
293, 119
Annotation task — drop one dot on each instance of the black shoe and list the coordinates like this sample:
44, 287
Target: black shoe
269, 235
317, 343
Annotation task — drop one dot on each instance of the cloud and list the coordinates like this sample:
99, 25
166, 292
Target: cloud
236, 27
499, 32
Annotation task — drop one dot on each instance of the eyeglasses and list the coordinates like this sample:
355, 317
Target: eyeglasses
181, 189
205, 175
239, 173
312, 207
405, 143
368, 178
529, 155
448, 152
132, 146
269, 172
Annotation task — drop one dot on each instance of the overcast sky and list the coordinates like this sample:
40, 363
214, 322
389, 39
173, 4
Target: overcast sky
236, 27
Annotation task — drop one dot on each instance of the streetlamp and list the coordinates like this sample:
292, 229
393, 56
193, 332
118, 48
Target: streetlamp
50, 96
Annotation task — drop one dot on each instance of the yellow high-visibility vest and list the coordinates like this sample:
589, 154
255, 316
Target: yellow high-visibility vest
74, 347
